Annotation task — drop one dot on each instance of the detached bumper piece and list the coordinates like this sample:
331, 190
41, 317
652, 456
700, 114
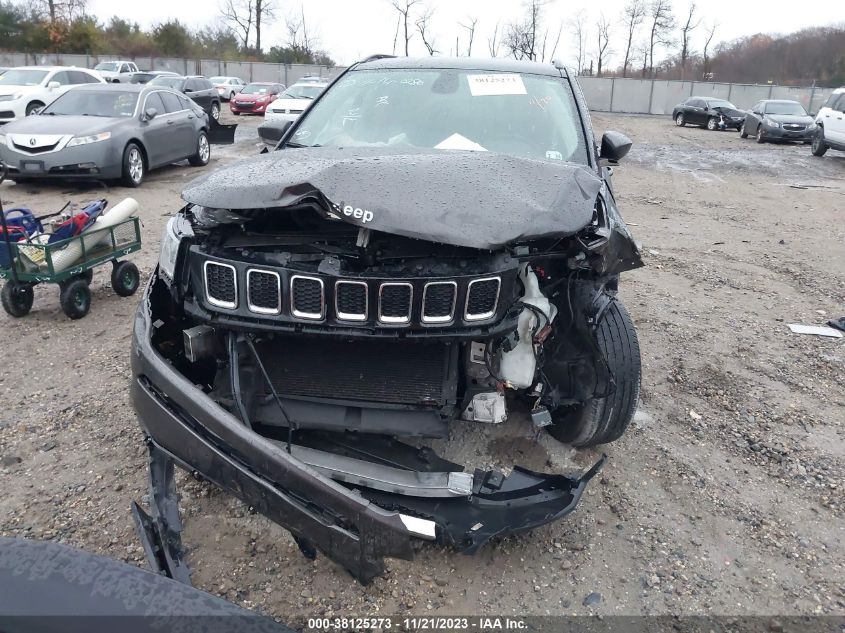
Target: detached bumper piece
220, 134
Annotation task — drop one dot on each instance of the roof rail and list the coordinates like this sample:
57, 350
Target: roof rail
373, 58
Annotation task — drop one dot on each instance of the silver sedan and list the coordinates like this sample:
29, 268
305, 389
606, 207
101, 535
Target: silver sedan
106, 131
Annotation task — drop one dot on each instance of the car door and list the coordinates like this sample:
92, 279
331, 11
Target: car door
753, 117
156, 132
194, 90
833, 120
180, 119
691, 111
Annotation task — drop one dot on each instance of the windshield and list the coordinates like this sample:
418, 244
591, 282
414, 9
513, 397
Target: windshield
308, 91
90, 103
255, 89
786, 108
534, 116
19, 77
720, 103
168, 82
107, 66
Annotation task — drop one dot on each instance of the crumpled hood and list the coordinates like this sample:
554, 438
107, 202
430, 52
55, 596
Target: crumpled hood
731, 112
464, 198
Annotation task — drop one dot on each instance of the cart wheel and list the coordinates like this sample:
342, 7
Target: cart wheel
125, 278
17, 298
75, 298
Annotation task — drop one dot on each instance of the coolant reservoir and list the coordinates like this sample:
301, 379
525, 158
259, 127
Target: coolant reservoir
517, 366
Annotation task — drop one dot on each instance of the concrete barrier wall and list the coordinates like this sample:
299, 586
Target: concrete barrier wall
646, 96
603, 94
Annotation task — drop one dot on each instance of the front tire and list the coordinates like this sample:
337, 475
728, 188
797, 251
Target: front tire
34, 108
605, 419
742, 132
819, 147
17, 298
680, 121
75, 298
134, 168
760, 138
203, 155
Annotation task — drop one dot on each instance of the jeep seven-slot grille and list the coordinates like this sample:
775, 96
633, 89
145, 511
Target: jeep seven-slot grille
351, 300
264, 292
307, 297
439, 301
395, 302
482, 297
221, 285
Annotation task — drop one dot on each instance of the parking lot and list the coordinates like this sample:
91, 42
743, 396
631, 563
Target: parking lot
726, 496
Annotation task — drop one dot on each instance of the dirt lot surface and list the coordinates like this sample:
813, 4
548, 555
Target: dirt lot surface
725, 496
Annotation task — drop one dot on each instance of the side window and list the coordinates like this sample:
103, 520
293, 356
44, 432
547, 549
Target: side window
839, 104
831, 101
79, 77
63, 77
206, 84
184, 103
154, 101
171, 102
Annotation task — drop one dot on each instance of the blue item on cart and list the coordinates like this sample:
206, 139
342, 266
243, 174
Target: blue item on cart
24, 219
78, 222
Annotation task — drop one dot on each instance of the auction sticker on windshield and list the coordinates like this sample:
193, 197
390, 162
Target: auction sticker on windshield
490, 84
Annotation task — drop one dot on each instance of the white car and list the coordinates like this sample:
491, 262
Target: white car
116, 71
227, 87
293, 101
830, 124
27, 89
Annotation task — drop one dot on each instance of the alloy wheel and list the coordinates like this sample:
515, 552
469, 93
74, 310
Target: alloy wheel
136, 165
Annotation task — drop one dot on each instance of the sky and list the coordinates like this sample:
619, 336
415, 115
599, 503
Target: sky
352, 29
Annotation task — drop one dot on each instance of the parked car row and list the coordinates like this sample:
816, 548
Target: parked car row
770, 120
106, 131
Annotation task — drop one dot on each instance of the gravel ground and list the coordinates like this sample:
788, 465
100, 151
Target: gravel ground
725, 497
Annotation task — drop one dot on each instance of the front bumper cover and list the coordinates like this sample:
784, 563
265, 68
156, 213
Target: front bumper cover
356, 530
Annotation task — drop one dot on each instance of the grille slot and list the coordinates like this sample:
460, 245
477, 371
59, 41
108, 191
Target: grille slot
395, 302
350, 300
221, 285
482, 298
307, 299
264, 291
439, 301
363, 371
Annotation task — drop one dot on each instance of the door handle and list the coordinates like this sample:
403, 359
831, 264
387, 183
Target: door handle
170, 122
190, 116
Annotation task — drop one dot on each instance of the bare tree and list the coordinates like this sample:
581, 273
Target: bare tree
603, 32
520, 38
404, 7
662, 24
493, 43
710, 33
299, 38
244, 16
578, 26
689, 26
633, 15
470, 27
422, 25
58, 10
239, 14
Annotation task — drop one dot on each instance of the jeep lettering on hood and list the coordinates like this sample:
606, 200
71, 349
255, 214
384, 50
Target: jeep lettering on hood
463, 198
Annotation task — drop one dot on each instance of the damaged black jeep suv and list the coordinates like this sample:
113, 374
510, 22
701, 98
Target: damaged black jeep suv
432, 243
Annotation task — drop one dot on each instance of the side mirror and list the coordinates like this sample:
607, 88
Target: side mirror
150, 113
53, 85
614, 146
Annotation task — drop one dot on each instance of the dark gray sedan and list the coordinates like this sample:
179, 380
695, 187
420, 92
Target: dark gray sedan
106, 131
778, 120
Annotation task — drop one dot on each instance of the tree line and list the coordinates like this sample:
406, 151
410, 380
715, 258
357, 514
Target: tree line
65, 26
649, 39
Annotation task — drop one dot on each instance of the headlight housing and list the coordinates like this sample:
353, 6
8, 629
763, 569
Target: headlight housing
771, 123
169, 251
85, 140
11, 97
